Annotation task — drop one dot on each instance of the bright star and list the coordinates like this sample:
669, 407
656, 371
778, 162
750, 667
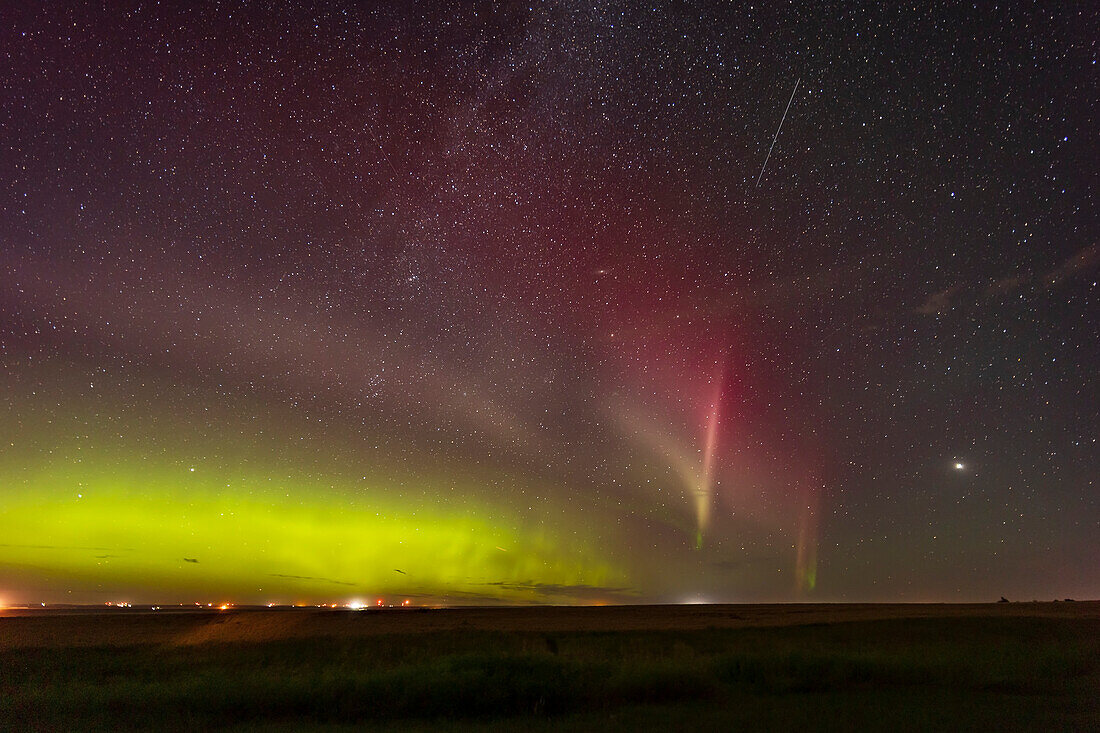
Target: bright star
959, 466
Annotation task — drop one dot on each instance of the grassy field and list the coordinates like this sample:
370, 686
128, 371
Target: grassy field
542, 669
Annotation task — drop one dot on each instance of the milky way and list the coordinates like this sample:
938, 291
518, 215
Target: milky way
484, 303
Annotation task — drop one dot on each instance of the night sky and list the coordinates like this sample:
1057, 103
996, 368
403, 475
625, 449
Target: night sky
475, 303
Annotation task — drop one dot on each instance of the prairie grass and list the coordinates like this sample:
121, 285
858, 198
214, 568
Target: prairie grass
1016, 673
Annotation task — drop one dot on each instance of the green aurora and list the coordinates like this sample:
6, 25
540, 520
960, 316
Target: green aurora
260, 510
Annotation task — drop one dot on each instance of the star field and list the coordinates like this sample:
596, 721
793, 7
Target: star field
483, 303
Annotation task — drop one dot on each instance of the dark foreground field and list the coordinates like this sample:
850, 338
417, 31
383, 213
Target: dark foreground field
995, 667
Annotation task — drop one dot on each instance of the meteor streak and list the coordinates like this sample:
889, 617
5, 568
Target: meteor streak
781, 121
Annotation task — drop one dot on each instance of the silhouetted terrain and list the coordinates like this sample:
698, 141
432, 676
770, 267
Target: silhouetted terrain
896, 667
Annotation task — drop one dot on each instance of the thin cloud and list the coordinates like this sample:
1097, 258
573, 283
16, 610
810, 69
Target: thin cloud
579, 590
939, 302
309, 577
1082, 261
944, 300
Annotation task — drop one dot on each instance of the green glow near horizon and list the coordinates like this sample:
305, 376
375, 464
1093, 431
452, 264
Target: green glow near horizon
273, 506
134, 527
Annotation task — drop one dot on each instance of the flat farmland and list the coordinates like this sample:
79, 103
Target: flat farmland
1015, 666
